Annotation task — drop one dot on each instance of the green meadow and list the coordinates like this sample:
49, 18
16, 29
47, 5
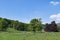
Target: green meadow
29, 36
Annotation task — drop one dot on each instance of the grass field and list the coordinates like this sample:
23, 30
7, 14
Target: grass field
29, 36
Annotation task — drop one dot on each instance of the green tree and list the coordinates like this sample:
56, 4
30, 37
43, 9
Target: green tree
3, 25
36, 24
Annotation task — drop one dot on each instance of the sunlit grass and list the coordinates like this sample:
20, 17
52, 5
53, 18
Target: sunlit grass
29, 36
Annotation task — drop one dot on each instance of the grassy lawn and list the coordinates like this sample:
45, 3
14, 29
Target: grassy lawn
29, 36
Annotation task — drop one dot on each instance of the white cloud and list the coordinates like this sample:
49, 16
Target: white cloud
55, 17
54, 3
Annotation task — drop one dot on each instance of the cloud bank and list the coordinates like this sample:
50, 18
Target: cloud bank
54, 3
55, 17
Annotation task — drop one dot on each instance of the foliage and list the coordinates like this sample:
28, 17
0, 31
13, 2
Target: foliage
6, 23
51, 27
3, 24
36, 24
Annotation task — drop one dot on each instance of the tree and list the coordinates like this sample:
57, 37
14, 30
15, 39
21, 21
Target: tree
40, 25
51, 27
20, 26
54, 26
36, 24
3, 25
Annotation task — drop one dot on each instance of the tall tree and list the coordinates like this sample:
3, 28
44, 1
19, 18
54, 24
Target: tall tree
36, 24
3, 25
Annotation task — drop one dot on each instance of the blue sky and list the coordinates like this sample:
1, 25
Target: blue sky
25, 10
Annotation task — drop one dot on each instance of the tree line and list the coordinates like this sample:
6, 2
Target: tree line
34, 25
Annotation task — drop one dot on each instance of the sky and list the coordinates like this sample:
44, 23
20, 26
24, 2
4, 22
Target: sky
25, 10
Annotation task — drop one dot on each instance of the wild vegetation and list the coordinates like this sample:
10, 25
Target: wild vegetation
51, 27
35, 30
34, 25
